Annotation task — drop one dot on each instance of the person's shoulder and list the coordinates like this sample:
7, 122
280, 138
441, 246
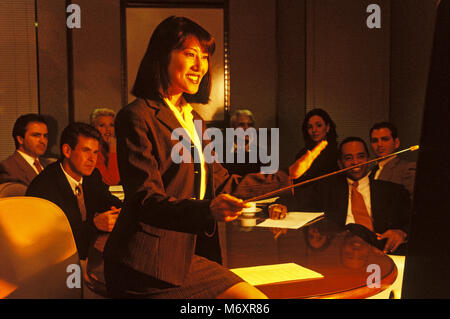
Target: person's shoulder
408, 164
10, 160
44, 181
49, 173
389, 187
401, 163
95, 177
403, 167
46, 161
137, 110
141, 104
95, 180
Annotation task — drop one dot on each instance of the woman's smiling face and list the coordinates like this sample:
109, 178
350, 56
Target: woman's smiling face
187, 67
317, 128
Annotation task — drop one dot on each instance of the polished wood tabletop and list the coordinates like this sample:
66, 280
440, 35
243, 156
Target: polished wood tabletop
348, 264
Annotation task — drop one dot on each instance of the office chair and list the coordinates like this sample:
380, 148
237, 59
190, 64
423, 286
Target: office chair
10, 189
39, 258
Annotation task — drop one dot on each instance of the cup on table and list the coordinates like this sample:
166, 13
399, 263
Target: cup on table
248, 222
250, 211
277, 211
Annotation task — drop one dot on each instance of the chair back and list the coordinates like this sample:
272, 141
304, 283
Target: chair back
10, 189
38, 255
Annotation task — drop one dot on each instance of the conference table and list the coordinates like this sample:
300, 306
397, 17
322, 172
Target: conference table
317, 260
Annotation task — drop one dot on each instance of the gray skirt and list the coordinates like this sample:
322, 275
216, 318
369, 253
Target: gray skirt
205, 280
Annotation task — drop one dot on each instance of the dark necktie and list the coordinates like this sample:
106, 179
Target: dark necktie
38, 165
359, 208
80, 198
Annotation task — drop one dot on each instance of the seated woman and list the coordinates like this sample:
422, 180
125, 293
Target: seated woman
316, 127
103, 120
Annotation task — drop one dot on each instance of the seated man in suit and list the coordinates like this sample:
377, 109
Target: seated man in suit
379, 209
30, 135
384, 141
75, 185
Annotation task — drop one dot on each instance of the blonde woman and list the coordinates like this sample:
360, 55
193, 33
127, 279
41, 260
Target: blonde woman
103, 120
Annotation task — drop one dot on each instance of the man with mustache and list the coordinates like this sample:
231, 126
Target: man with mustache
384, 141
30, 135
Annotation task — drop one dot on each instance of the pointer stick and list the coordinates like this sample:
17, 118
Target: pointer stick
412, 148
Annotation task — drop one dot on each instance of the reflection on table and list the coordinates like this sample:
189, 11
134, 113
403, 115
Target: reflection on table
351, 268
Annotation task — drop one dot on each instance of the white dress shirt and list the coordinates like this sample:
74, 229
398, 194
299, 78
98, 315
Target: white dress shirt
188, 125
72, 182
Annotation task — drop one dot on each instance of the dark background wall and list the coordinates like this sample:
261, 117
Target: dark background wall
286, 57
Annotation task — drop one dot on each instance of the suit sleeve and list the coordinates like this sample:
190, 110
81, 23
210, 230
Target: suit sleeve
145, 192
402, 213
145, 187
6, 176
104, 198
408, 177
247, 186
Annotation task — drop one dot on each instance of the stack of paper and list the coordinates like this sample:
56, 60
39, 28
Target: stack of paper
293, 220
260, 275
117, 190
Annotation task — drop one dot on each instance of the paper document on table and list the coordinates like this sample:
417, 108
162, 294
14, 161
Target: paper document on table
260, 275
293, 220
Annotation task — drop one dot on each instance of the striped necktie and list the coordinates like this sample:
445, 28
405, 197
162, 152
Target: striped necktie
80, 199
38, 165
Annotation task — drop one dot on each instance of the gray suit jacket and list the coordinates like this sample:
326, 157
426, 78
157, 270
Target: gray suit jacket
401, 172
16, 169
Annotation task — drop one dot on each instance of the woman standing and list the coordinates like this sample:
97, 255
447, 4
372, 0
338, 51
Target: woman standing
165, 243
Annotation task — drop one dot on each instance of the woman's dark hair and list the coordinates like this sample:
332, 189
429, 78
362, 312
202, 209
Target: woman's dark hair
170, 35
331, 136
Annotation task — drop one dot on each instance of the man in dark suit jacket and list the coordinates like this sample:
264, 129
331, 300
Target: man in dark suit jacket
387, 204
59, 181
31, 139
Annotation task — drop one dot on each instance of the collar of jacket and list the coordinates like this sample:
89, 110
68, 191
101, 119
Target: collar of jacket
165, 115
